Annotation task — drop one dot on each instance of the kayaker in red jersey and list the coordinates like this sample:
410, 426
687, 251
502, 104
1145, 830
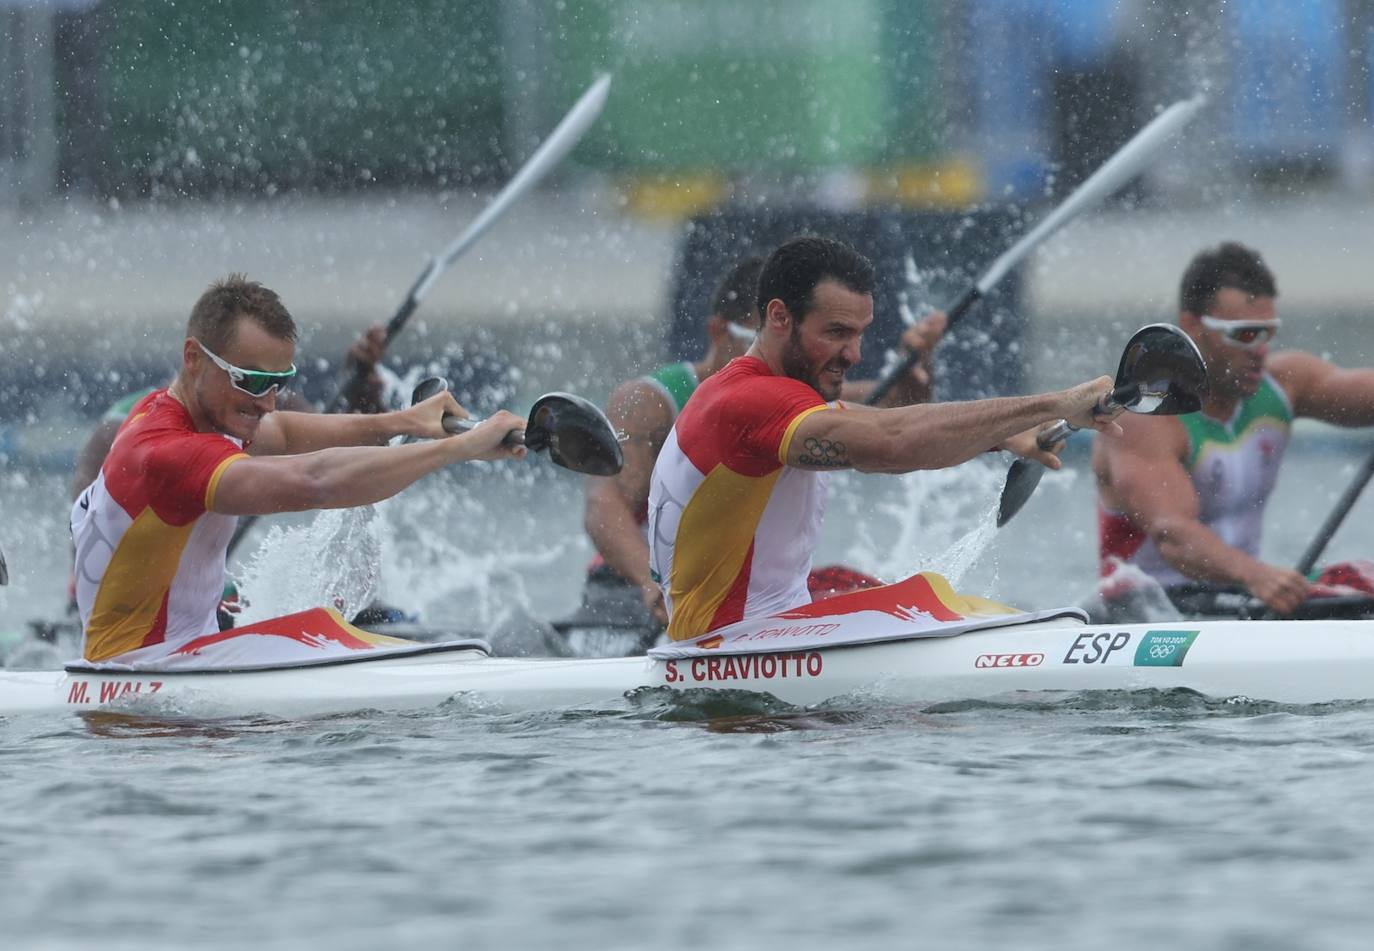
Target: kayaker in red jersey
1182, 498
152, 530
737, 495
619, 589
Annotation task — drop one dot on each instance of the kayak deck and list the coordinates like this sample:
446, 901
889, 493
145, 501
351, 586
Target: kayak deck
1283, 661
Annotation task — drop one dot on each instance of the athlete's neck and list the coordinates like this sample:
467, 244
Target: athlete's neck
179, 391
1222, 406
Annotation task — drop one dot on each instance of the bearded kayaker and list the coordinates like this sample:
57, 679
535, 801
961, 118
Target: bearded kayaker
152, 530
620, 590
737, 495
1182, 497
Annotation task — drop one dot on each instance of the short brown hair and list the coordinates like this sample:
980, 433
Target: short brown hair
1230, 264
216, 314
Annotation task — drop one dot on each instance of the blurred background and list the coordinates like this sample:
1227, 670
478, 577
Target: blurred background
327, 148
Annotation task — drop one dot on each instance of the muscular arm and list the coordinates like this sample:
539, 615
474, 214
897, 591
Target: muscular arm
1143, 475
1324, 391
346, 476
931, 436
287, 433
640, 412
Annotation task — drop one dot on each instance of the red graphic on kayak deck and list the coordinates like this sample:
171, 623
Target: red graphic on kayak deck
317, 627
915, 595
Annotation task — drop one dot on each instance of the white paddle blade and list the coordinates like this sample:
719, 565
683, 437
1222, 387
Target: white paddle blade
1128, 162
550, 152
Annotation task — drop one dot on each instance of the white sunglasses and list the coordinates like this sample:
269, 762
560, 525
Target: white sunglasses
1246, 334
253, 382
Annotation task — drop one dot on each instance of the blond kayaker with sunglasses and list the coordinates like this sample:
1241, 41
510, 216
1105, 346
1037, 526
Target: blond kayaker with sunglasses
1182, 497
152, 530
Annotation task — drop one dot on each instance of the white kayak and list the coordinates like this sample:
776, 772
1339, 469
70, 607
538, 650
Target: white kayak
831, 651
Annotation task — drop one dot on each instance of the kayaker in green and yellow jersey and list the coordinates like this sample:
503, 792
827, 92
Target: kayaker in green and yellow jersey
620, 590
1182, 497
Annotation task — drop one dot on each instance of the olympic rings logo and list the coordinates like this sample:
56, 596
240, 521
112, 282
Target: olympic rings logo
1161, 651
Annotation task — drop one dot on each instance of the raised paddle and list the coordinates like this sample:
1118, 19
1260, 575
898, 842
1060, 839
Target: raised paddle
4, 570
559, 143
574, 432
1161, 374
1128, 162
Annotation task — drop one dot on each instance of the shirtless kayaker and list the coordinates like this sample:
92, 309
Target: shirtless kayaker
1182, 497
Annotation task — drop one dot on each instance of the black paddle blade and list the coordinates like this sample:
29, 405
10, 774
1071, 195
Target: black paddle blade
1161, 373
426, 388
1022, 478
577, 435
4, 571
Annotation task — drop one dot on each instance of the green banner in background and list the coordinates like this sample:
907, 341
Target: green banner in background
724, 85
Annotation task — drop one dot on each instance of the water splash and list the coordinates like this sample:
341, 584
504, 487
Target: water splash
333, 560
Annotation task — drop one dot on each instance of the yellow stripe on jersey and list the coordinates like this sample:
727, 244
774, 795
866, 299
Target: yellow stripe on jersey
713, 540
135, 582
215, 477
791, 430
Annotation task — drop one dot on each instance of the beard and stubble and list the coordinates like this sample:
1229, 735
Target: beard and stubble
826, 379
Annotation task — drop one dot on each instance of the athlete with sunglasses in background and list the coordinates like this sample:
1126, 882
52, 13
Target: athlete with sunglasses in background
152, 530
1182, 497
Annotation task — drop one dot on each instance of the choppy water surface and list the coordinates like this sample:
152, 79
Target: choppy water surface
1121, 821
1118, 820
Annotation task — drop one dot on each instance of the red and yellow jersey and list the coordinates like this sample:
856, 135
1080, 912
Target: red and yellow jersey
150, 554
731, 527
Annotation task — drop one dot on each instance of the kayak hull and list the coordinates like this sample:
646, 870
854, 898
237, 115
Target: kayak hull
1300, 662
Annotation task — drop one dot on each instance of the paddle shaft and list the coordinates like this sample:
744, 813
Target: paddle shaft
1128, 162
560, 142
1024, 475
1114, 401
1337, 516
454, 425
971, 295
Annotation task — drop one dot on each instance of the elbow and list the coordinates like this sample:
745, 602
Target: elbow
310, 486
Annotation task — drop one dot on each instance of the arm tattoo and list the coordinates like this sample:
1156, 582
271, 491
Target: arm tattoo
824, 453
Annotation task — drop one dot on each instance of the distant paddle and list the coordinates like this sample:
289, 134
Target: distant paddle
551, 151
1125, 164
572, 430
1161, 374
4, 570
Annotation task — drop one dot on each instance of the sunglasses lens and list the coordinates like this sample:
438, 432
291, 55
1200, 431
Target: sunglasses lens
256, 385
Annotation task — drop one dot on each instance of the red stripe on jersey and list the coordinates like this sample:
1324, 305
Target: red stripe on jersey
740, 416
731, 608
157, 633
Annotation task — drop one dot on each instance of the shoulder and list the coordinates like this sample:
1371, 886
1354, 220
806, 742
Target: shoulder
1296, 370
638, 406
1145, 436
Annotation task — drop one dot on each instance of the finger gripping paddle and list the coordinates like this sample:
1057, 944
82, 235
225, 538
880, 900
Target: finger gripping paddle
571, 429
1161, 374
